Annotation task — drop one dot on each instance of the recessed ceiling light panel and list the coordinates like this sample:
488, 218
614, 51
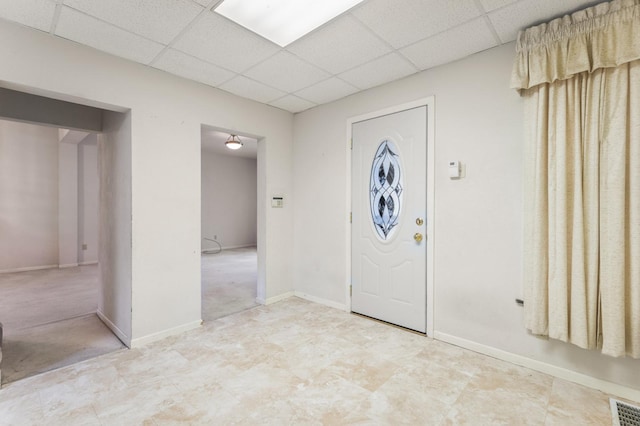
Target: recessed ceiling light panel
283, 21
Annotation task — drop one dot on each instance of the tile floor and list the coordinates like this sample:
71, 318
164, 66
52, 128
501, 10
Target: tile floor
296, 362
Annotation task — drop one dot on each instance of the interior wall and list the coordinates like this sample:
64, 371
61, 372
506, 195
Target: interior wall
67, 204
49, 198
167, 113
28, 196
115, 230
18, 105
478, 219
88, 196
229, 200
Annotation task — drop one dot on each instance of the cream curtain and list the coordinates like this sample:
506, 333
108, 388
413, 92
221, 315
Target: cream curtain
580, 78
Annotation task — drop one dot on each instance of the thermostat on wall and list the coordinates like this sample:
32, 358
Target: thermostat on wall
277, 202
454, 169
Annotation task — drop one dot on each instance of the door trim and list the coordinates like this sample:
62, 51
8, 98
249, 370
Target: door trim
429, 102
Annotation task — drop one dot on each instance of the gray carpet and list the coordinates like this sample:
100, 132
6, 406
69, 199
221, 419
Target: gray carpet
46, 347
49, 315
229, 282
50, 322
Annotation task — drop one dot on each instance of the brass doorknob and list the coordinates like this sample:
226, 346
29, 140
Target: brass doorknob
417, 236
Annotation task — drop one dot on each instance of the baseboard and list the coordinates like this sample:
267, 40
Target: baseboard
38, 268
141, 341
27, 269
543, 367
237, 247
229, 247
114, 329
274, 299
321, 301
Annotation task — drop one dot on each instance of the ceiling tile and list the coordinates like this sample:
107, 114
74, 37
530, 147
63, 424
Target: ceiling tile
490, 5
222, 42
186, 66
286, 72
327, 91
292, 104
32, 13
525, 13
382, 70
158, 20
247, 88
85, 29
451, 45
404, 22
343, 44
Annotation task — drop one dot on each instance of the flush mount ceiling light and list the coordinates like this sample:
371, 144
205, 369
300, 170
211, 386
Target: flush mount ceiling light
233, 142
283, 21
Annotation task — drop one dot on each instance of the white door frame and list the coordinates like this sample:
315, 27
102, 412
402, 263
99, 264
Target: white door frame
429, 102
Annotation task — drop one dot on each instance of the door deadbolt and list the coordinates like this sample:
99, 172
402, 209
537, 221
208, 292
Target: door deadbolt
419, 221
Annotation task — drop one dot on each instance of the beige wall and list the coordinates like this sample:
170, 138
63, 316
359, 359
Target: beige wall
229, 194
28, 196
478, 220
48, 198
88, 194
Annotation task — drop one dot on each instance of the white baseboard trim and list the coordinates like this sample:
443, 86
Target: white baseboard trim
229, 247
321, 301
543, 367
114, 329
141, 341
93, 262
274, 299
237, 247
67, 265
27, 269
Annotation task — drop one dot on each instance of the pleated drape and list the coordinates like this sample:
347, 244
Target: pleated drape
582, 196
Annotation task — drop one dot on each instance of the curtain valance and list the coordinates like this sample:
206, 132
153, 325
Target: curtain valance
602, 36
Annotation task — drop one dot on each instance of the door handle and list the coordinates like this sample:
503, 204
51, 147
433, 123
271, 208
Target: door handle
418, 237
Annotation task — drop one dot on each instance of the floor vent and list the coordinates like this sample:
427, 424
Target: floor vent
624, 414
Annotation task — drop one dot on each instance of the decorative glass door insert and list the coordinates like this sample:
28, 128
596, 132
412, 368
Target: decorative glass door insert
385, 189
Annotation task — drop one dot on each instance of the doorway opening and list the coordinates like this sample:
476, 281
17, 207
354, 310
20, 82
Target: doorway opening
56, 163
229, 193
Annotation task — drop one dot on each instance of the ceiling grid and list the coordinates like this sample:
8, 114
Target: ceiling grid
373, 43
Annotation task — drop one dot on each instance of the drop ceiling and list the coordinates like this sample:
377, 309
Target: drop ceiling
374, 43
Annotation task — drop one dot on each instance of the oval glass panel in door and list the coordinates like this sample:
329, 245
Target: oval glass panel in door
385, 189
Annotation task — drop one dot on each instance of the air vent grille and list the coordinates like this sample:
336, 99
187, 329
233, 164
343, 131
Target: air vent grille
625, 414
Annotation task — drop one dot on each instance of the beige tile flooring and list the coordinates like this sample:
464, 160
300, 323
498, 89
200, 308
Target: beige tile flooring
296, 362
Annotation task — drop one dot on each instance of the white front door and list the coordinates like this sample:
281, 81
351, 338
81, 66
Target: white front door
388, 233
